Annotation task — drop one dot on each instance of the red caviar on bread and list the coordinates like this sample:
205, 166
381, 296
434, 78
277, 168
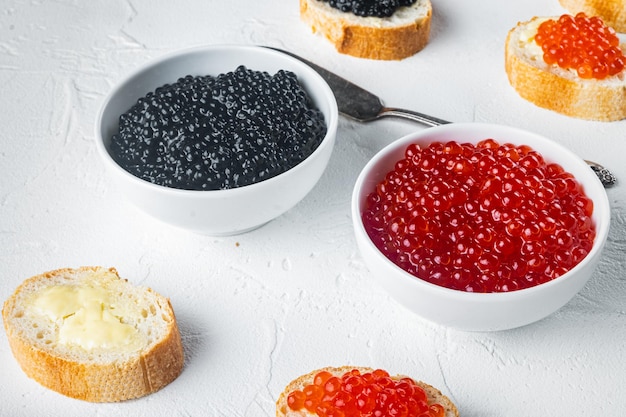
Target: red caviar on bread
613, 12
361, 392
581, 43
573, 65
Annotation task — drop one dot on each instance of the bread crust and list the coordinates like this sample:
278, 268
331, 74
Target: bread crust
282, 410
362, 37
612, 12
137, 375
561, 91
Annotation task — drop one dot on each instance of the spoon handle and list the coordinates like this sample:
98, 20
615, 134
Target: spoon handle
412, 115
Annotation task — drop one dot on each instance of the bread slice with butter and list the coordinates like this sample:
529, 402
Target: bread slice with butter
88, 334
396, 37
558, 89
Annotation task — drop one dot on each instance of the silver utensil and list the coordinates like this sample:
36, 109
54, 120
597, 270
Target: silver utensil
359, 104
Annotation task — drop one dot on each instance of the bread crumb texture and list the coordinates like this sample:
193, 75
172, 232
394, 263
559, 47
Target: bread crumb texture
88, 334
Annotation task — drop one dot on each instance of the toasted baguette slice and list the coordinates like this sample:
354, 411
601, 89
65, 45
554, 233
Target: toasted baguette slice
612, 12
88, 334
399, 36
555, 88
283, 410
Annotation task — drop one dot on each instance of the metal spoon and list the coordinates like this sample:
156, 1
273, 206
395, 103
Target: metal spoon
363, 106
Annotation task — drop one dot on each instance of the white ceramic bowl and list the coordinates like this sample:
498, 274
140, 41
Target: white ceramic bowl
219, 212
479, 311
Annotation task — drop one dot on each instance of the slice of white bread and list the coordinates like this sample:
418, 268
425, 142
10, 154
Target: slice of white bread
613, 12
558, 89
88, 334
283, 410
399, 36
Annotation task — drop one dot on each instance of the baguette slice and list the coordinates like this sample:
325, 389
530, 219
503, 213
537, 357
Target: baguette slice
555, 88
88, 334
283, 410
612, 12
399, 36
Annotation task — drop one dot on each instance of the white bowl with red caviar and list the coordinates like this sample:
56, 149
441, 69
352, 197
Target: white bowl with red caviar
480, 227
218, 211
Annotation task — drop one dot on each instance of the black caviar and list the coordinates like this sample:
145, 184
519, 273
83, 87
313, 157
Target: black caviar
365, 8
215, 133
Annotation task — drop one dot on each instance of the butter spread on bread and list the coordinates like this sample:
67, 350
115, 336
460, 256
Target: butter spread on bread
89, 317
88, 334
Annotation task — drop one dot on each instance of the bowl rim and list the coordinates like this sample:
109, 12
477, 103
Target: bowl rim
362, 236
328, 139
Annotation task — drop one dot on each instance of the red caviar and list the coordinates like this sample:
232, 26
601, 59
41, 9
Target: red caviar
480, 218
584, 44
368, 394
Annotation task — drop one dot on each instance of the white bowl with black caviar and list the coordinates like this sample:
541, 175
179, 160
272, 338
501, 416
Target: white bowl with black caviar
480, 227
218, 139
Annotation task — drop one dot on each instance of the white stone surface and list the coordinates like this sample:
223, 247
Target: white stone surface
258, 309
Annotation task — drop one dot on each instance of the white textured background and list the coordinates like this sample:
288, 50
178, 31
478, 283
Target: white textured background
259, 309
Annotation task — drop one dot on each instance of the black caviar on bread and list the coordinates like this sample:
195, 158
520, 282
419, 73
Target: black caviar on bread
382, 30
